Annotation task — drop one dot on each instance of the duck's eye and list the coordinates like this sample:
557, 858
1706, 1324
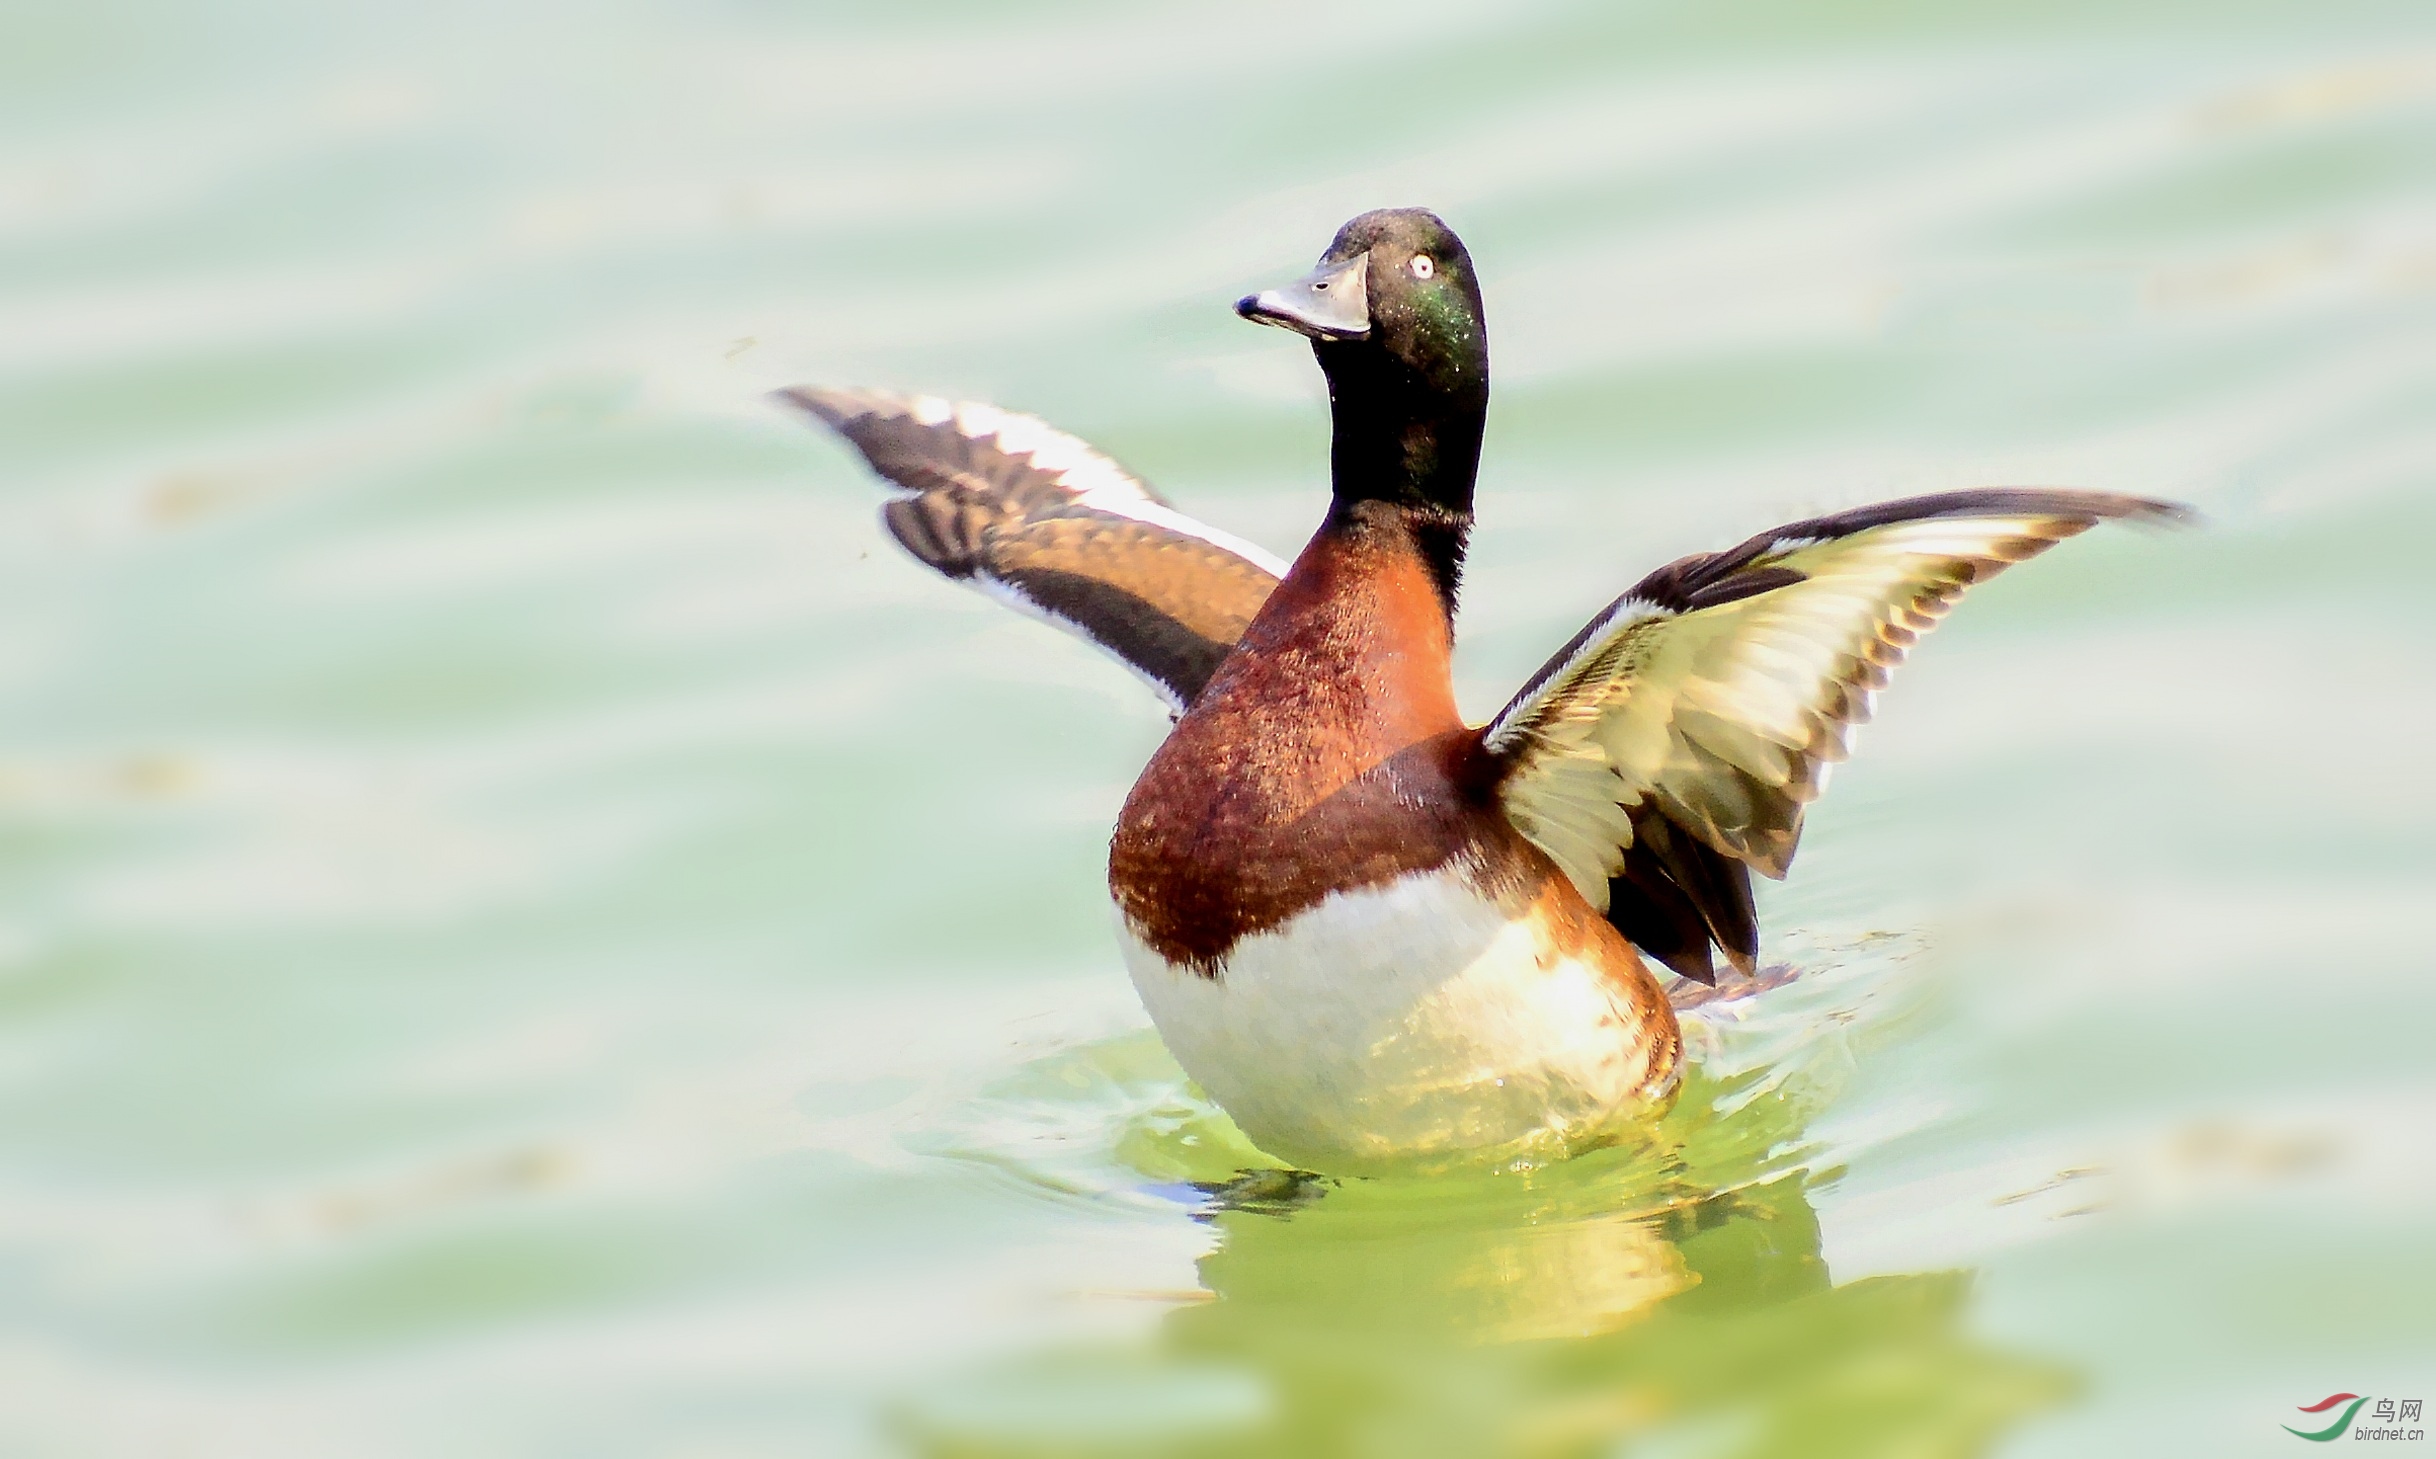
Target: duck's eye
1422, 267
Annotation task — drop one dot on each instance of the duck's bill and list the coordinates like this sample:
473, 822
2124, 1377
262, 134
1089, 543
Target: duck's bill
1330, 302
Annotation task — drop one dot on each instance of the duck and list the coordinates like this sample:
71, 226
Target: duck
1378, 936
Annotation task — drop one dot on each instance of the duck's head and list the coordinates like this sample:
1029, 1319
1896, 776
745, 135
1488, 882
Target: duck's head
1393, 312
1392, 302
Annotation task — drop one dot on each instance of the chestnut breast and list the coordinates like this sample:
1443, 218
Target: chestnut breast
1326, 754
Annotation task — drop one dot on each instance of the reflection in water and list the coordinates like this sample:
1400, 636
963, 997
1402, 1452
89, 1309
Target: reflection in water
1669, 1298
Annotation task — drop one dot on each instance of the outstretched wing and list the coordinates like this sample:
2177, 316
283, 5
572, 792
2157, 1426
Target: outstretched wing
1042, 522
1669, 749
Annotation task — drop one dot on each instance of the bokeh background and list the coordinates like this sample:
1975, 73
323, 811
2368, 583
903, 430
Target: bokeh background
528, 930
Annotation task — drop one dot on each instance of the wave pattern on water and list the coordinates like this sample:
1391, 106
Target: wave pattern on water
529, 930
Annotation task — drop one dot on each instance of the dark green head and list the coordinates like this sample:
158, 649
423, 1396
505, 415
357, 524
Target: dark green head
1394, 297
1393, 313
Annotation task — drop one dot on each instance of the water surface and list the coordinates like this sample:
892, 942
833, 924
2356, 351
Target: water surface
530, 930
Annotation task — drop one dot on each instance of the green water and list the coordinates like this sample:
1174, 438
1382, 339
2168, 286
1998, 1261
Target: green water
529, 930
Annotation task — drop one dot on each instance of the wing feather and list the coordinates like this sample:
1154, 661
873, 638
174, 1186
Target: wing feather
1673, 745
1044, 523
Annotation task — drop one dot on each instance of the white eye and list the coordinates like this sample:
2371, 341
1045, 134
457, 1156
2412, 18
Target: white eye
1422, 267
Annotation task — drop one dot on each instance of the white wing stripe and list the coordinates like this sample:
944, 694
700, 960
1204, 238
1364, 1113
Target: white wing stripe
1001, 591
1090, 478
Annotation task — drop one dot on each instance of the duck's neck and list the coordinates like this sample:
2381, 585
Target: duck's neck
1412, 445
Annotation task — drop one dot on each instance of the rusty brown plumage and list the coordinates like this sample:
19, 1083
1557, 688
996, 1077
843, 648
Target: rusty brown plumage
1325, 755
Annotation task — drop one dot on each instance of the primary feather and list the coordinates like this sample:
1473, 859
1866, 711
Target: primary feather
1670, 748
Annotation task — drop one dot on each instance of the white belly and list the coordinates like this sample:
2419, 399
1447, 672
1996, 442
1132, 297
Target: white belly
1404, 1022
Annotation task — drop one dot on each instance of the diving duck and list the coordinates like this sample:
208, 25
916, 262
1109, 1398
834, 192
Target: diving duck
1374, 934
